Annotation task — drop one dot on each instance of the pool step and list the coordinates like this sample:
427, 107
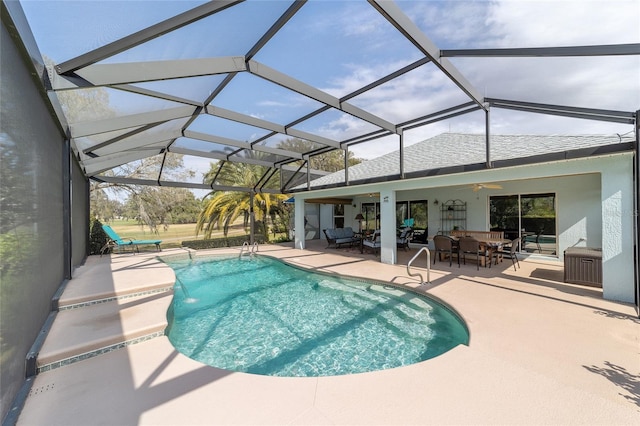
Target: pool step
101, 309
108, 277
91, 330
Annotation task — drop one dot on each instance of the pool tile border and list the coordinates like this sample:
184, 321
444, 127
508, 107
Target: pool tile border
111, 299
97, 352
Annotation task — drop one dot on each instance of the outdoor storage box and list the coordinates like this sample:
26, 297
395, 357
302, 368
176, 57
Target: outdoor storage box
583, 265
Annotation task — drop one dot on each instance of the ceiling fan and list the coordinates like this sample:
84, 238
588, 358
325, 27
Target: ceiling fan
478, 186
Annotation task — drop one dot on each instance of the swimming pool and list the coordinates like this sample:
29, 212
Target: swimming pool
259, 315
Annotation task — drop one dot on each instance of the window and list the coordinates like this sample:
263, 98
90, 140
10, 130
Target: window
531, 217
416, 210
338, 215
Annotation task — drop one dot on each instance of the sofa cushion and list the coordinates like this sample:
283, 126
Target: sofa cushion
339, 233
331, 234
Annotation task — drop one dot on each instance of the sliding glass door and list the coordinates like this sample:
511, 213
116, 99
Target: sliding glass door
532, 217
414, 209
371, 216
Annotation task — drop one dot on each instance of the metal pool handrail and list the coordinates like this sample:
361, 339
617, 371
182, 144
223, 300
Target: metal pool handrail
418, 274
251, 249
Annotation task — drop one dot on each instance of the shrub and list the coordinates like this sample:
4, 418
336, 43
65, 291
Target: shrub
97, 237
235, 241
281, 239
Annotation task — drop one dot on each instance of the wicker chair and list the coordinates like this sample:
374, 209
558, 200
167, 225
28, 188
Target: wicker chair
446, 245
469, 245
511, 250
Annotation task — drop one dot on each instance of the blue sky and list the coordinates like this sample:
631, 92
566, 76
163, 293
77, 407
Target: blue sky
339, 46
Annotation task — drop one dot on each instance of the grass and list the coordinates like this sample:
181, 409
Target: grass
172, 236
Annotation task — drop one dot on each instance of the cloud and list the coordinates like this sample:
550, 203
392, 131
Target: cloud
270, 103
610, 82
565, 23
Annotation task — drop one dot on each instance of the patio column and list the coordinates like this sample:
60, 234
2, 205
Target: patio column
299, 238
617, 233
388, 227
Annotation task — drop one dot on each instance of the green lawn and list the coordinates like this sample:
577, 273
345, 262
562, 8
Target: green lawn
171, 237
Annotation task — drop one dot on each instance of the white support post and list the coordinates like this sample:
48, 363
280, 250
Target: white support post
299, 239
617, 234
388, 252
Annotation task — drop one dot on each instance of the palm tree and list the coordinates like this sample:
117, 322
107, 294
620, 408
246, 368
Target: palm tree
222, 208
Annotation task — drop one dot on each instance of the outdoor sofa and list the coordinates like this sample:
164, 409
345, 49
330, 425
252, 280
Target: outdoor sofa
340, 236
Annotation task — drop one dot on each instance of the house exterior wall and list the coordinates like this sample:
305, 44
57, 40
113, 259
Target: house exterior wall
594, 206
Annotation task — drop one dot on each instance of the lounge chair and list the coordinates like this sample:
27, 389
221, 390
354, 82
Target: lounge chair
403, 240
117, 241
373, 243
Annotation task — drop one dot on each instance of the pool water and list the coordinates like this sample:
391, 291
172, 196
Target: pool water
259, 315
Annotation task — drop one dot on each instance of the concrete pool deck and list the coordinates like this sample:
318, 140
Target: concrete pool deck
541, 352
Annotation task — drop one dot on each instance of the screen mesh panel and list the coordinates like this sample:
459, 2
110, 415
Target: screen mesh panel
31, 211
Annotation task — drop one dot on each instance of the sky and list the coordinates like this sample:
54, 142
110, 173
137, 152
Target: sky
339, 46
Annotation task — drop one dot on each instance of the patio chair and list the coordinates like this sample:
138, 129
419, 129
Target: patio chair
538, 241
405, 237
469, 245
373, 244
511, 250
446, 245
122, 242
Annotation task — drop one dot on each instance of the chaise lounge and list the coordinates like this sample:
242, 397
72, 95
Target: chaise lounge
116, 241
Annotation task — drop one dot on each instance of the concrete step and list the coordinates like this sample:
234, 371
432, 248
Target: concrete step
111, 302
87, 331
107, 277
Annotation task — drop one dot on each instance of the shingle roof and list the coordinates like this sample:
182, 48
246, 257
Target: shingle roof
459, 149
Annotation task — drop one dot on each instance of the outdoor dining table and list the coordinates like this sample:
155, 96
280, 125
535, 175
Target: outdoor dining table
493, 245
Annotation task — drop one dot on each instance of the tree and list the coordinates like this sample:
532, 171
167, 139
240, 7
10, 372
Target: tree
162, 206
145, 203
332, 161
17, 192
222, 208
102, 207
85, 104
